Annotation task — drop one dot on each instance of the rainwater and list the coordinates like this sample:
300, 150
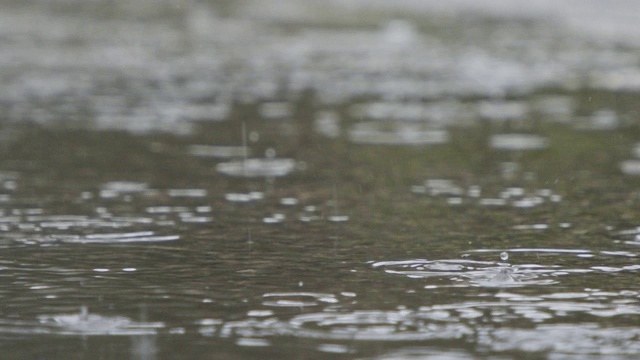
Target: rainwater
286, 179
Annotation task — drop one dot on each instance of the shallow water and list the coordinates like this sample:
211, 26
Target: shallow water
223, 180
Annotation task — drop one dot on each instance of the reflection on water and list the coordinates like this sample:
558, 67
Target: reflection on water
280, 179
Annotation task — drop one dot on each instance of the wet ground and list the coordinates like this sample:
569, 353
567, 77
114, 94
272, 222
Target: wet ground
279, 179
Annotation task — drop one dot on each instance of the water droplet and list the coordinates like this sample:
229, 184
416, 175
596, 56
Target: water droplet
504, 256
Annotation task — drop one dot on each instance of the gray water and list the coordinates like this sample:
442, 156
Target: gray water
281, 179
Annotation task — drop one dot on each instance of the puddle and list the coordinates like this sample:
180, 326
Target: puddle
283, 179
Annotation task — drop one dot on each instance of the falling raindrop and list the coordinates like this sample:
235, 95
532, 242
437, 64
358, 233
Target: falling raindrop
504, 256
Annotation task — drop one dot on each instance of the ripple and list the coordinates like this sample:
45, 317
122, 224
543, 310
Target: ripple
455, 194
400, 325
630, 167
122, 238
502, 110
252, 342
581, 341
383, 133
188, 193
244, 197
478, 273
81, 323
105, 238
256, 167
297, 299
518, 142
117, 188
223, 152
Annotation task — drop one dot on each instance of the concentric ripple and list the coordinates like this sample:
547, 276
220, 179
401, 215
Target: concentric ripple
474, 273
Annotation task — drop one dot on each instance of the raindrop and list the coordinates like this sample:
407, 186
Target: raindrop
504, 256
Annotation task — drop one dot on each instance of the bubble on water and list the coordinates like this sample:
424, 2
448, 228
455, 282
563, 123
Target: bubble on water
504, 256
270, 153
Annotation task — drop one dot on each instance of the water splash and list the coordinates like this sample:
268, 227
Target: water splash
84, 323
477, 273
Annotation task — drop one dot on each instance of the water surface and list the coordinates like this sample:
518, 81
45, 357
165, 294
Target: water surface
219, 180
